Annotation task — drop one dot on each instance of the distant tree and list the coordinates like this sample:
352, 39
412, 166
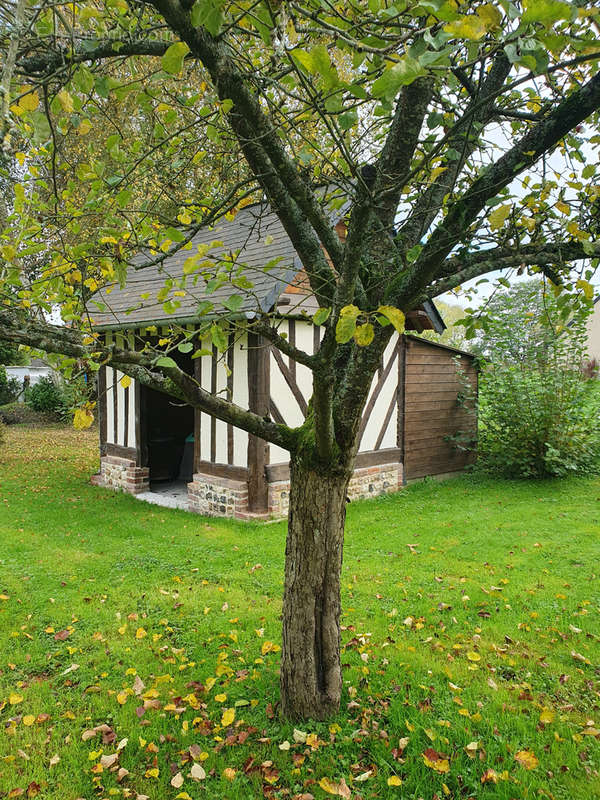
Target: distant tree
10, 354
455, 333
521, 324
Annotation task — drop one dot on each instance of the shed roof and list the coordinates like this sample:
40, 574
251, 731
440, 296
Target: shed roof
253, 245
253, 239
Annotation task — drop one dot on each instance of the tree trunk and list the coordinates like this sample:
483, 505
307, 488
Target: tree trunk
311, 677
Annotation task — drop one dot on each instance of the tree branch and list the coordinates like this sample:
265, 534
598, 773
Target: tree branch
15, 327
457, 271
540, 139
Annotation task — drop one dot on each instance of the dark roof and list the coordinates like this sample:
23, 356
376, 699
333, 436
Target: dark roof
249, 243
253, 239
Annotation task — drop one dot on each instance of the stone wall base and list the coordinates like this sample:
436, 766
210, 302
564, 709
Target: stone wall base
365, 482
222, 497
122, 473
218, 497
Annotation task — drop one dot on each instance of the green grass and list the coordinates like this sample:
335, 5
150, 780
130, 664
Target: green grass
471, 608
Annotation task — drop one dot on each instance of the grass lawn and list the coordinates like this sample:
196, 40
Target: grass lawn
139, 646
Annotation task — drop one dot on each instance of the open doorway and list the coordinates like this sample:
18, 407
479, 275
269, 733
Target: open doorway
167, 446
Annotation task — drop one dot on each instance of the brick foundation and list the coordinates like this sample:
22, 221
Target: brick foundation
223, 497
122, 473
366, 482
218, 497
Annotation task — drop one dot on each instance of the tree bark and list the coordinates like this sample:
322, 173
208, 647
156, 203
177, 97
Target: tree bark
311, 676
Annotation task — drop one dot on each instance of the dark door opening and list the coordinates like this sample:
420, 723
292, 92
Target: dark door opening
168, 437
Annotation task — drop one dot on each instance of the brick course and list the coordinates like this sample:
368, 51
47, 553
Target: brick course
122, 473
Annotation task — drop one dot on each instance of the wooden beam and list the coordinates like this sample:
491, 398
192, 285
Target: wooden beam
197, 418
258, 401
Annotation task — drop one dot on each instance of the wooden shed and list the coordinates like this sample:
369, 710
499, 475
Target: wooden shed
152, 445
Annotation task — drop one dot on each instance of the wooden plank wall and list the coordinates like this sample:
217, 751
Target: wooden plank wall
432, 411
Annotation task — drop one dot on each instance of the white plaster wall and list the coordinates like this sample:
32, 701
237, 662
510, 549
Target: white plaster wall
593, 329
240, 397
381, 406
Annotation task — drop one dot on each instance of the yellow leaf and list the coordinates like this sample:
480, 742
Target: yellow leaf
471, 27
364, 334
84, 127
220, 698
66, 101
4, 597
228, 717
547, 716
28, 720
140, 633
152, 773
394, 780
472, 656
122, 698
498, 217
563, 208
228, 773
527, 759
82, 419
586, 288
490, 16
125, 381
15, 698
30, 101
340, 789
269, 647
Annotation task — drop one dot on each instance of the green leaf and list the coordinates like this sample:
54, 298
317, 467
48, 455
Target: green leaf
208, 14
321, 316
172, 60
165, 361
364, 334
218, 337
185, 347
547, 11
233, 303
393, 315
401, 74
346, 324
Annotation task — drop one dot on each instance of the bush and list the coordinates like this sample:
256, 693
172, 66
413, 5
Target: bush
45, 395
22, 414
538, 422
10, 388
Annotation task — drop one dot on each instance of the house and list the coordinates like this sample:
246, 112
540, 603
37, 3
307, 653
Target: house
593, 337
148, 439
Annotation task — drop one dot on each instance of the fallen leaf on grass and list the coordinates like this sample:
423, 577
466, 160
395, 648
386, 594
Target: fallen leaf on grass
436, 761
394, 780
527, 759
489, 776
177, 780
340, 789
197, 773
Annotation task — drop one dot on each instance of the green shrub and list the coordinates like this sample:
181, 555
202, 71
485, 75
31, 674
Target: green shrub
10, 388
538, 421
22, 414
45, 395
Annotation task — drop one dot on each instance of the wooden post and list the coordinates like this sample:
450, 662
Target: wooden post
401, 438
258, 402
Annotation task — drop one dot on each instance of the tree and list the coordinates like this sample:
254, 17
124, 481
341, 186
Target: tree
436, 121
454, 335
